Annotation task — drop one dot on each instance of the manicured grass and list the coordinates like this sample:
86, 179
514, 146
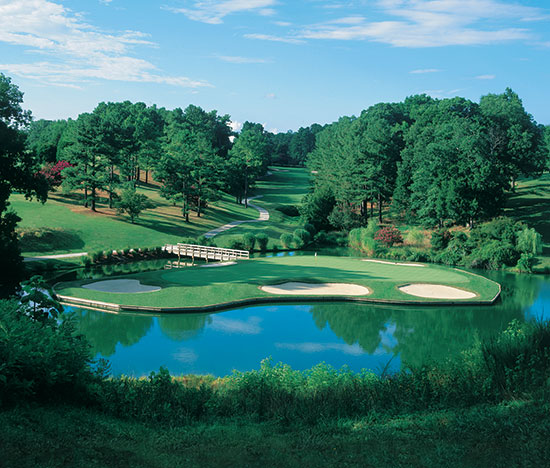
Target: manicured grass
63, 225
506, 435
200, 287
285, 186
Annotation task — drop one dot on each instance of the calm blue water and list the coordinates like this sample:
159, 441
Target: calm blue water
357, 335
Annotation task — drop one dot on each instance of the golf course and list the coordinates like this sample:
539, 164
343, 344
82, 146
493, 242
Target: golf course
281, 278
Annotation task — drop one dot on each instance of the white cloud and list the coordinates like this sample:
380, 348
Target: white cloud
185, 355
433, 23
424, 70
282, 23
271, 96
441, 93
485, 77
214, 11
309, 348
239, 327
268, 37
77, 51
238, 59
235, 126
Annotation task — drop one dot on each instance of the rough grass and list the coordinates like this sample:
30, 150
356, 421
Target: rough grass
196, 287
73, 228
507, 435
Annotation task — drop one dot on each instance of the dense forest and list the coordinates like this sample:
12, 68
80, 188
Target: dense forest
439, 162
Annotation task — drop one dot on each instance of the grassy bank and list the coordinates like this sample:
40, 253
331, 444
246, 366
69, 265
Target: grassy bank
506, 435
63, 225
199, 287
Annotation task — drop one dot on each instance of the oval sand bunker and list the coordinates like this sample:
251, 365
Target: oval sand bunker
436, 291
121, 286
317, 289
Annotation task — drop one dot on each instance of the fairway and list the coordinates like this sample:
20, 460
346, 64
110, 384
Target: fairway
195, 288
75, 228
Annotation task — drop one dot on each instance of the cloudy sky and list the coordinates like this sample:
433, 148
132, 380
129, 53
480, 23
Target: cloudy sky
282, 63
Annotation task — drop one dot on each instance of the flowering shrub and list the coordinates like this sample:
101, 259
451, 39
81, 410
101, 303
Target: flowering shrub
389, 236
52, 172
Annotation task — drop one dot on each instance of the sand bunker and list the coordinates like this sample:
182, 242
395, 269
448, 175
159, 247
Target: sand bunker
313, 289
394, 263
218, 264
121, 286
436, 291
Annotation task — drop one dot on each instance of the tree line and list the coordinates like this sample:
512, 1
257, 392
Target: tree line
192, 153
434, 161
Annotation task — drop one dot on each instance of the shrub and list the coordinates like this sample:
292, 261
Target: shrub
41, 359
321, 238
440, 239
416, 237
354, 238
301, 237
493, 255
53, 172
344, 218
526, 262
529, 241
286, 240
133, 203
249, 241
236, 244
389, 236
310, 228
262, 240
288, 210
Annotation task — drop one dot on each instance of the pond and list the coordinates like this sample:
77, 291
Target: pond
378, 338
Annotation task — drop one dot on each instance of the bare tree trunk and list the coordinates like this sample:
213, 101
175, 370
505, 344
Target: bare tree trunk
246, 189
111, 187
379, 207
93, 199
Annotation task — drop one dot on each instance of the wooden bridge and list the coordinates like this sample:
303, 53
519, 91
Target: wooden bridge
206, 253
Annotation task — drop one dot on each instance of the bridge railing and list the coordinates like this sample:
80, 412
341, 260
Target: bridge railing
206, 252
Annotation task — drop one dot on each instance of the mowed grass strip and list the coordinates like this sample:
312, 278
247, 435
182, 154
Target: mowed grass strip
201, 287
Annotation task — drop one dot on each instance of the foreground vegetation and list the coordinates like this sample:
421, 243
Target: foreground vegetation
487, 407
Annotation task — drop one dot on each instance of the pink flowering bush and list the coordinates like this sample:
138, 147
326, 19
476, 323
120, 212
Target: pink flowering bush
52, 172
389, 236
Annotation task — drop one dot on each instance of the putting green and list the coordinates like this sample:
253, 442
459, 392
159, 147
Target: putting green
214, 288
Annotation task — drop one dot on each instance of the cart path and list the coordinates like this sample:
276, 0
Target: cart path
264, 216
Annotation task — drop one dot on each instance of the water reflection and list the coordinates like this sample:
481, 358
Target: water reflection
358, 335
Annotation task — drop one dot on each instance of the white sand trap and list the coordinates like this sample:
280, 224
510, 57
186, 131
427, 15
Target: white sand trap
394, 263
210, 265
314, 289
121, 286
436, 291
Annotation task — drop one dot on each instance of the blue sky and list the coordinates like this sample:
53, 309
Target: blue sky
282, 63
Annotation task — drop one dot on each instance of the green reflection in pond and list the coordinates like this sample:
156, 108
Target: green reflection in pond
181, 327
105, 331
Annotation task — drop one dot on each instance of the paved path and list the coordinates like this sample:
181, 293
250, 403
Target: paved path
264, 216
53, 257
